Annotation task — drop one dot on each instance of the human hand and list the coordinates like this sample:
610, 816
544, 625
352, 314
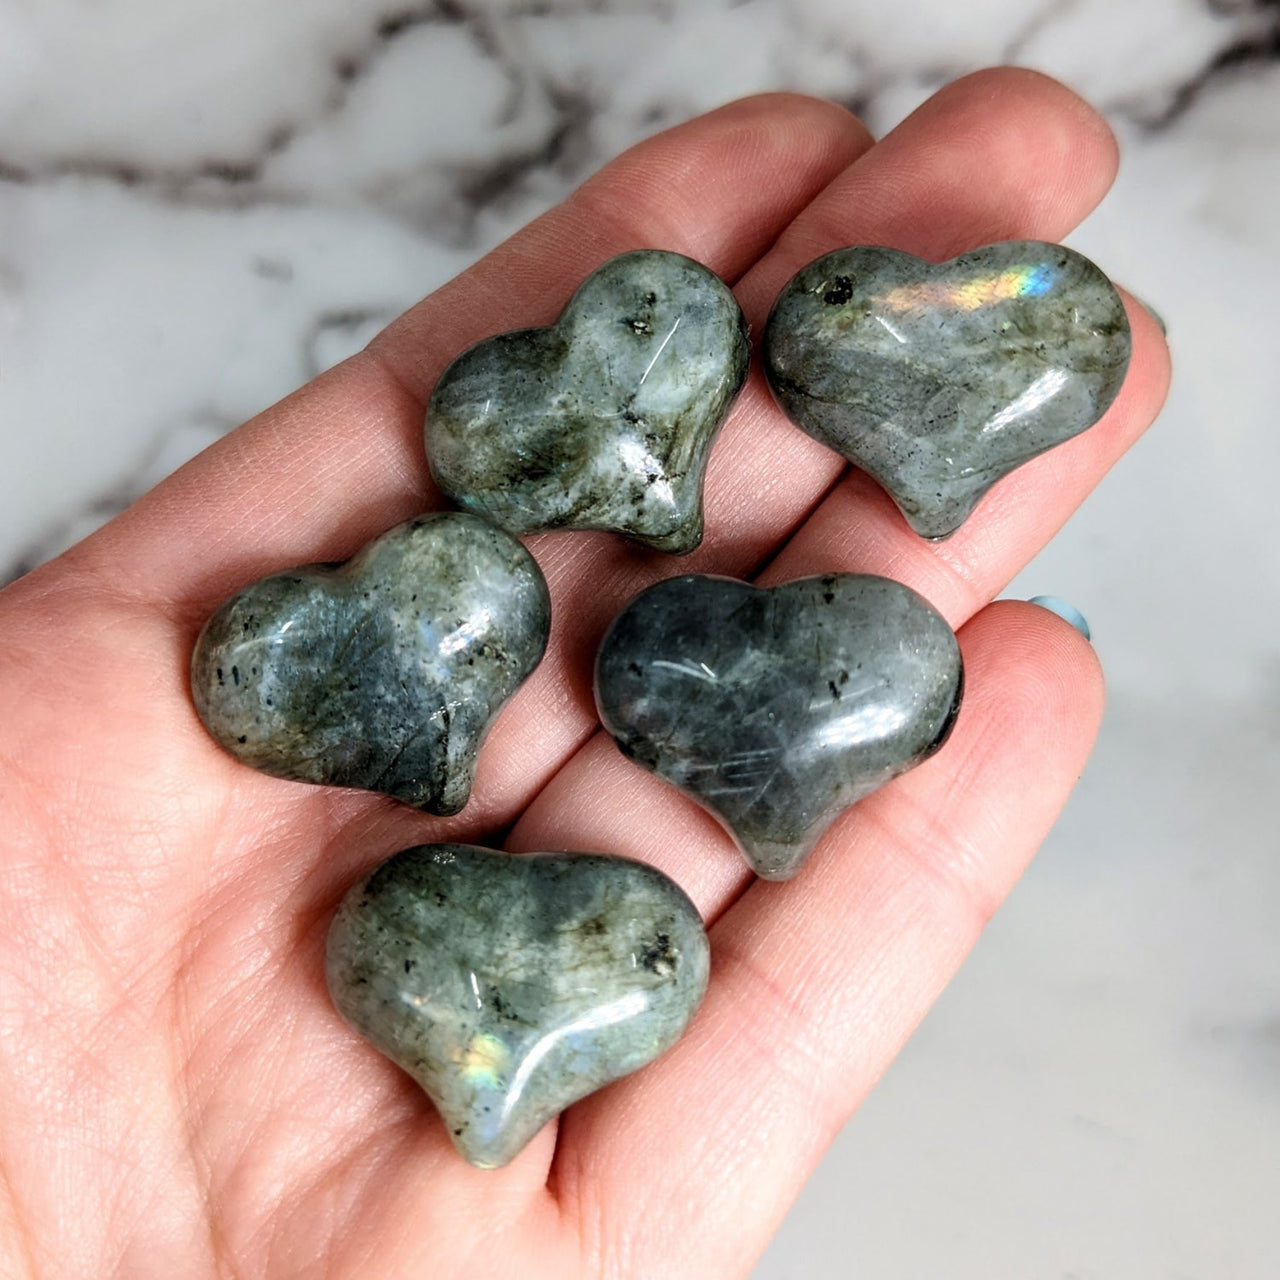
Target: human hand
181, 1098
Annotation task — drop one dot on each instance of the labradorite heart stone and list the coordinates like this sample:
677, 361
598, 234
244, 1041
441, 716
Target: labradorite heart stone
778, 708
939, 380
510, 987
384, 672
605, 419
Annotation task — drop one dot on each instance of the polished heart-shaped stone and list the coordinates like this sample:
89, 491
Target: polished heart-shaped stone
939, 380
777, 708
603, 420
384, 672
510, 987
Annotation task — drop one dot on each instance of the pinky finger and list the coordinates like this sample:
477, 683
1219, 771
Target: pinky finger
687, 1168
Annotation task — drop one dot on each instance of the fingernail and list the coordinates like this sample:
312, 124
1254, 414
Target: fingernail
1155, 315
1067, 612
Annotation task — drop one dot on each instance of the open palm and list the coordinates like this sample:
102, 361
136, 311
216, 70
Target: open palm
180, 1097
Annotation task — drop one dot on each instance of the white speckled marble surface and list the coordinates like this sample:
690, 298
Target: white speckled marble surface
204, 202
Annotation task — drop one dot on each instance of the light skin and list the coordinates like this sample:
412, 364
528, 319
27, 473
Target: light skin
180, 1097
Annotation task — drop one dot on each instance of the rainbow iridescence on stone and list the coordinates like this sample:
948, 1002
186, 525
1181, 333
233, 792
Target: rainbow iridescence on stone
1028, 281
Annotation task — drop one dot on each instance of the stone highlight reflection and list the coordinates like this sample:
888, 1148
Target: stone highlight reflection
383, 673
939, 380
778, 708
508, 986
603, 420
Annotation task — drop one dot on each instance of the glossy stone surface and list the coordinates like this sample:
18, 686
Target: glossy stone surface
939, 380
509, 986
603, 420
384, 672
778, 708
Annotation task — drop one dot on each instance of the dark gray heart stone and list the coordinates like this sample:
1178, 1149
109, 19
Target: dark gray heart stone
939, 380
605, 419
510, 987
777, 709
384, 672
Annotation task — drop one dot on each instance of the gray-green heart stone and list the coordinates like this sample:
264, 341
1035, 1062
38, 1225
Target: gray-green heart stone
510, 987
778, 708
603, 420
939, 380
384, 672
